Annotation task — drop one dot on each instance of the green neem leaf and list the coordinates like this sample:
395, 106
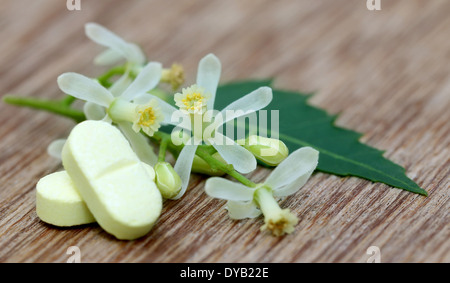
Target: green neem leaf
341, 152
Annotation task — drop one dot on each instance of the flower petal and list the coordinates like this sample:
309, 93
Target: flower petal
183, 167
247, 104
242, 160
55, 148
208, 76
108, 57
139, 144
147, 80
144, 98
94, 111
225, 189
107, 119
294, 186
135, 54
121, 85
242, 210
293, 172
84, 88
105, 37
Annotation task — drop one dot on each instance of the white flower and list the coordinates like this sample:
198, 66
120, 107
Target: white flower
200, 98
148, 117
120, 108
193, 99
117, 47
126, 108
286, 179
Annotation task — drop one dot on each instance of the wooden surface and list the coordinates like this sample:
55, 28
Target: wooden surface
386, 72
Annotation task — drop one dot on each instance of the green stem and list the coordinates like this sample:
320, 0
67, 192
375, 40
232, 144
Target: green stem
205, 152
68, 100
159, 136
227, 168
62, 107
104, 78
57, 107
163, 149
266, 202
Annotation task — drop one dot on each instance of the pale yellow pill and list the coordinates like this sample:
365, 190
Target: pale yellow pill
150, 171
116, 187
59, 203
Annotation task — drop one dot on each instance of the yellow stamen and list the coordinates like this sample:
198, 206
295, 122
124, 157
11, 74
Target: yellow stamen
147, 117
192, 99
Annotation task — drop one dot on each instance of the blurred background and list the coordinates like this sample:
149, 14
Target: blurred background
385, 71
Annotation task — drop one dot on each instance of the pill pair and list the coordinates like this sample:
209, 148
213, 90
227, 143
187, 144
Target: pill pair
103, 181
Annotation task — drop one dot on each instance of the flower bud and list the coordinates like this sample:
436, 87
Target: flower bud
200, 166
167, 180
268, 150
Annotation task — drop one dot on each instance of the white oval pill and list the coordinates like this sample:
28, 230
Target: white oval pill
110, 178
59, 203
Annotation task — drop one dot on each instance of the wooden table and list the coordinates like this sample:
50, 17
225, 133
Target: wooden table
386, 72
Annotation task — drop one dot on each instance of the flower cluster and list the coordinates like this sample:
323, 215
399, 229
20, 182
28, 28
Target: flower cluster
248, 202
136, 103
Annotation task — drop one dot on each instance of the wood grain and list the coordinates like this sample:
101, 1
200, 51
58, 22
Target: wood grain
386, 72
